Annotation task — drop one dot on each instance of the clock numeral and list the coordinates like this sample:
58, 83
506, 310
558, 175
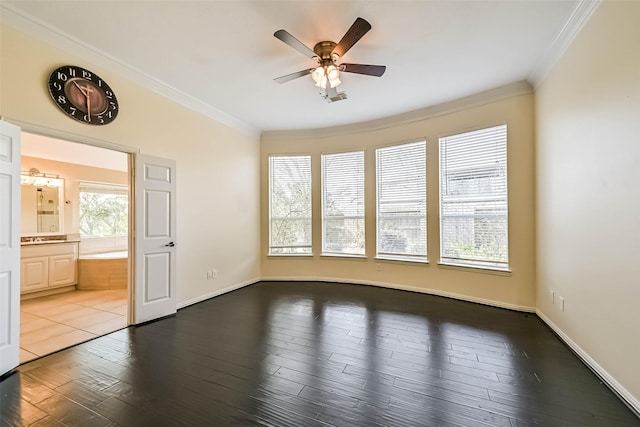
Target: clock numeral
86, 74
86, 118
113, 105
72, 72
109, 114
57, 86
62, 76
108, 93
62, 99
99, 82
73, 110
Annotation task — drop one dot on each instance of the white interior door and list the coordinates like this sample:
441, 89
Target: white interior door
155, 237
9, 246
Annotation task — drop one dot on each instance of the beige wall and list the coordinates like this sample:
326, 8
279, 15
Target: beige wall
516, 290
588, 183
588, 170
72, 175
217, 166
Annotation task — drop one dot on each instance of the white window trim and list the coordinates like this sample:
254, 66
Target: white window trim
420, 258
310, 218
102, 188
325, 217
499, 268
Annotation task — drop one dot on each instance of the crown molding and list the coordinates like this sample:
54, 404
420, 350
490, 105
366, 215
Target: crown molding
522, 87
48, 34
579, 17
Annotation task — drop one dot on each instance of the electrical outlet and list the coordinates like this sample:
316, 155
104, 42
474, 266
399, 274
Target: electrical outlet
561, 303
378, 267
209, 275
214, 274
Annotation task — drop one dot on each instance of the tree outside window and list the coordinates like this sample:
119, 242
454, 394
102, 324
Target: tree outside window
104, 210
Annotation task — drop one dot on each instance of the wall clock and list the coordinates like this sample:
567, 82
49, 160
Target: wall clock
83, 95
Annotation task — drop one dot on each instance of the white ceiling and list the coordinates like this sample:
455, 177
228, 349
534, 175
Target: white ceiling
222, 55
48, 148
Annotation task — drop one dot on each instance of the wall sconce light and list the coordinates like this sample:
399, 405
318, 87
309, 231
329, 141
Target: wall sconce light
39, 179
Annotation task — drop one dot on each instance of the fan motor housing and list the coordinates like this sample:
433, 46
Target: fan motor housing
324, 50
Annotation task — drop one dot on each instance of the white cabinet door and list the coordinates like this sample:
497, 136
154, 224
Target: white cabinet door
34, 274
9, 246
155, 237
62, 270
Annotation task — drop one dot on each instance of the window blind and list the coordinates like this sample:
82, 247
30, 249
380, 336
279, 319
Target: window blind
289, 205
343, 203
103, 188
401, 201
473, 198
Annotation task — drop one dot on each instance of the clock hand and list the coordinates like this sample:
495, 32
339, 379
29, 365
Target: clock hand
89, 107
88, 92
80, 87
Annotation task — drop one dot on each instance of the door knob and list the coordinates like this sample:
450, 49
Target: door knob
170, 244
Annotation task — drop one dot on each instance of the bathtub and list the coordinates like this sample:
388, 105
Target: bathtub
107, 255
106, 270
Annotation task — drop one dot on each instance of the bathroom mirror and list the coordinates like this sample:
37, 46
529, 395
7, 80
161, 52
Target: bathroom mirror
42, 206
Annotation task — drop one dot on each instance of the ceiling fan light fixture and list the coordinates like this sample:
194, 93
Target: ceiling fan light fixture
317, 75
333, 75
332, 72
322, 75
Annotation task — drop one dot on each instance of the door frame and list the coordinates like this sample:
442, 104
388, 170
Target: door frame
131, 159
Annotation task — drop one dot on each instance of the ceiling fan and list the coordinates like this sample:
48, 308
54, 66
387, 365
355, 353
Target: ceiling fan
326, 74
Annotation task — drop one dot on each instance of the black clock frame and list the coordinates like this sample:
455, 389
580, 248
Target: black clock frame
60, 88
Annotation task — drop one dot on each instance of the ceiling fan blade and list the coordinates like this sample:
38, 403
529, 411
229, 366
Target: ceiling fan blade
294, 43
358, 29
292, 76
369, 70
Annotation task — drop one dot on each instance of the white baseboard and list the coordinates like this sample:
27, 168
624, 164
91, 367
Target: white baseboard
437, 292
204, 297
623, 393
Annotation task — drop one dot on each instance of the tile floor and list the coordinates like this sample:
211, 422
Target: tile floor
54, 322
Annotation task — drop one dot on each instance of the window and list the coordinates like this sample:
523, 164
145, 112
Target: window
290, 205
401, 201
343, 203
104, 209
473, 199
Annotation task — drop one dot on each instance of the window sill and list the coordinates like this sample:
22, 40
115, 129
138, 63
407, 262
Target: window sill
345, 256
402, 259
290, 256
476, 269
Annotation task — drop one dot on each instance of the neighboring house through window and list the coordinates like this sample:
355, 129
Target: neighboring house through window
401, 201
473, 199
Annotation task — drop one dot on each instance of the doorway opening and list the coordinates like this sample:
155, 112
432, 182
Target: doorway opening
74, 244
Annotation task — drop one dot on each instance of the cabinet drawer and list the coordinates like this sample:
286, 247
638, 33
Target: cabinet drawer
49, 250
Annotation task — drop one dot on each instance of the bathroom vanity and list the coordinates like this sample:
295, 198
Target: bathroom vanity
48, 265
48, 261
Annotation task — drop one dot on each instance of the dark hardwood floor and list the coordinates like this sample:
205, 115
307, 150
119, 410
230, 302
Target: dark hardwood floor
317, 354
